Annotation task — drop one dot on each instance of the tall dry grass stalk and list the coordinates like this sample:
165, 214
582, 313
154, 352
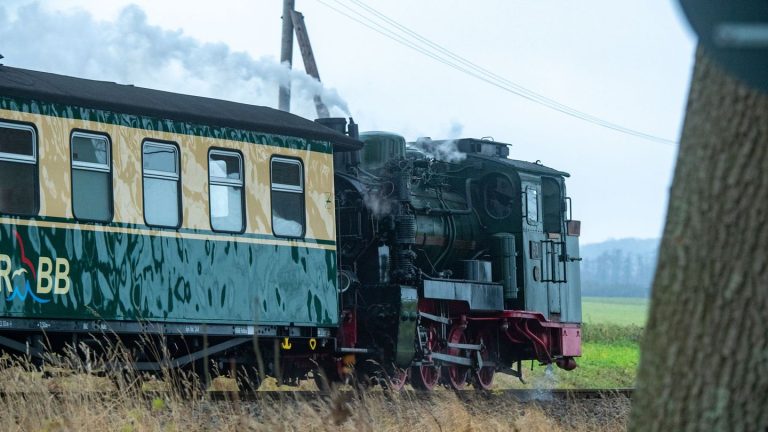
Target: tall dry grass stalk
78, 391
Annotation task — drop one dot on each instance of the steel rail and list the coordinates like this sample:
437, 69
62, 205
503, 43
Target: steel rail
469, 395
520, 395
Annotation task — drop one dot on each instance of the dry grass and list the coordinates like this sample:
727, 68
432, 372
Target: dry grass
69, 396
85, 412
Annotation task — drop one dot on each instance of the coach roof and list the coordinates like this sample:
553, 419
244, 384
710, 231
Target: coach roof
155, 103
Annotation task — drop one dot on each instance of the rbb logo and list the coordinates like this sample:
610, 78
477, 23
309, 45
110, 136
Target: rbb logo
47, 279
50, 276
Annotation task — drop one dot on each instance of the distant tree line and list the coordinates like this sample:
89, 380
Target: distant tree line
618, 273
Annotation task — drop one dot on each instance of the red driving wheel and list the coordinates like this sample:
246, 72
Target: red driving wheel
489, 355
457, 375
426, 376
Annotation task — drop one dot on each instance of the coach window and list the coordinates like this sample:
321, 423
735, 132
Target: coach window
287, 197
161, 184
18, 169
225, 174
91, 177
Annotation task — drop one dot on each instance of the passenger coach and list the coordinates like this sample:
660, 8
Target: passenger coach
141, 211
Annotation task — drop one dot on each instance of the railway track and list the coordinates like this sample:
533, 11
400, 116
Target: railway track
520, 395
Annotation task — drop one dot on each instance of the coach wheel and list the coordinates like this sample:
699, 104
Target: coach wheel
489, 355
426, 376
457, 374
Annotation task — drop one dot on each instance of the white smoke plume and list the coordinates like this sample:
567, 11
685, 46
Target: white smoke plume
378, 205
130, 51
446, 150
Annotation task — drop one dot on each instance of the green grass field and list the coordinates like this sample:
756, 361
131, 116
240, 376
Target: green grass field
615, 310
611, 336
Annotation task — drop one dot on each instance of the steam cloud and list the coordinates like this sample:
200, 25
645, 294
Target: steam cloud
378, 205
131, 51
445, 151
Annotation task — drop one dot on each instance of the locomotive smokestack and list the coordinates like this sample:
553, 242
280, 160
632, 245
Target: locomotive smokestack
352, 130
339, 124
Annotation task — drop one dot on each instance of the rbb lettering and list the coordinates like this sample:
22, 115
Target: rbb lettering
52, 276
5, 272
62, 275
44, 279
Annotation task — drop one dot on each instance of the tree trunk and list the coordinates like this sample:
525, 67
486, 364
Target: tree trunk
704, 361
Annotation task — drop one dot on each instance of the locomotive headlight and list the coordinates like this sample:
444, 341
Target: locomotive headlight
323, 332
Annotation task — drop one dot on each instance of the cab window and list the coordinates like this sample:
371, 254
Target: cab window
18, 169
499, 197
532, 204
552, 205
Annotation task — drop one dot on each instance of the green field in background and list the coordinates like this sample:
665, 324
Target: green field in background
611, 333
615, 310
602, 366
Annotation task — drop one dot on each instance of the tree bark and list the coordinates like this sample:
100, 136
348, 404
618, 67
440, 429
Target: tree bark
704, 357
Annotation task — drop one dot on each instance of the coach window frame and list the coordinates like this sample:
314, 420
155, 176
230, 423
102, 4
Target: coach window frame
301, 190
23, 159
88, 166
162, 175
227, 182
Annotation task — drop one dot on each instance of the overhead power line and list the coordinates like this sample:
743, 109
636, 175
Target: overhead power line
375, 20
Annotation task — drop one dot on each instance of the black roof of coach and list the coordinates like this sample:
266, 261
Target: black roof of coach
142, 101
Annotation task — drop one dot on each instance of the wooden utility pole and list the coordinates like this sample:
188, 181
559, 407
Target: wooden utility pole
286, 54
309, 58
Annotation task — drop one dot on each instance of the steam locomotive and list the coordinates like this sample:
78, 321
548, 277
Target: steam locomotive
269, 243
455, 261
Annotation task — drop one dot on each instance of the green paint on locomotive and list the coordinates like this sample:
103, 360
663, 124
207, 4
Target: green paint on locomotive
69, 273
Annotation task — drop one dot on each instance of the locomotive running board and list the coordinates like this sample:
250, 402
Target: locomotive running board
478, 295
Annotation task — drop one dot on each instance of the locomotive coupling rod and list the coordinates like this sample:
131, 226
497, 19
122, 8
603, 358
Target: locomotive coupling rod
435, 318
472, 347
484, 364
452, 359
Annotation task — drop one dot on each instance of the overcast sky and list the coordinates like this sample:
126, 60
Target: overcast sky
628, 62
